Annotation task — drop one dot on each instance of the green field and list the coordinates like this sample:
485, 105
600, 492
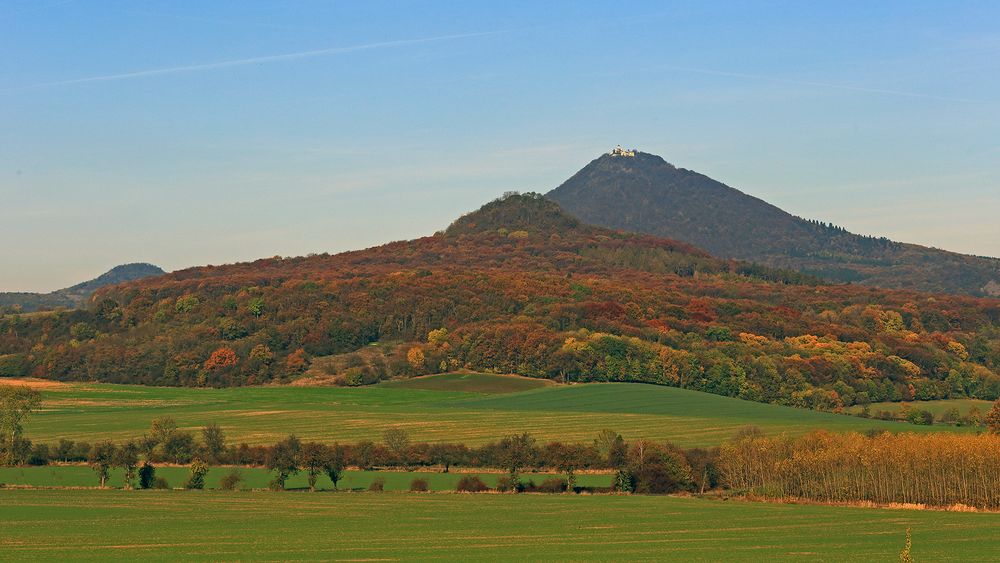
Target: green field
297, 525
211, 525
257, 478
261, 415
470, 383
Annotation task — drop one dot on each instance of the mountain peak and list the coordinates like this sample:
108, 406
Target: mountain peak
634, 191
118, 274
624, 159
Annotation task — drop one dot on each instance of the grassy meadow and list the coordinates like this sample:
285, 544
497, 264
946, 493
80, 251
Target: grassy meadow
430, 409
212, 525
470, 383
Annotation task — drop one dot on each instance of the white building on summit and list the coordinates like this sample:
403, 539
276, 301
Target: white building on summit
619, 151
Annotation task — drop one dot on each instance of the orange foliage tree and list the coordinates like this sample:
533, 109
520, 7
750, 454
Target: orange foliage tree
222, 358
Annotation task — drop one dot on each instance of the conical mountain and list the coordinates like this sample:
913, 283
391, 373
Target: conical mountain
644, 193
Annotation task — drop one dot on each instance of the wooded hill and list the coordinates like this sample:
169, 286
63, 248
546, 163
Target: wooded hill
646, 194
77, 295
522, 287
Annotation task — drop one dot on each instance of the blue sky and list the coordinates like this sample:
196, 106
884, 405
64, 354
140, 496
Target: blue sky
189, 133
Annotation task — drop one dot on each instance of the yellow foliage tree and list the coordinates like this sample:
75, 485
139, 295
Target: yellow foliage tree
415, 356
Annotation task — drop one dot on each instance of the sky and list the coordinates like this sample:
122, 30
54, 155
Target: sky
191, 133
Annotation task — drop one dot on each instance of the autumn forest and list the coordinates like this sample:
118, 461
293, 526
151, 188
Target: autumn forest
519, 286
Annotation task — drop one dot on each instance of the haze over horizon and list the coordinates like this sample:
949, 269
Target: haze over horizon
182, 134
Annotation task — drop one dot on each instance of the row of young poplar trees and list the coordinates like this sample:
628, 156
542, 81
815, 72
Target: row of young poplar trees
933, 469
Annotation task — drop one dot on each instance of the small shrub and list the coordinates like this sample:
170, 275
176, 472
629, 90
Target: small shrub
39, 455
354, 377
377, 485
147, 476
656, 479
198, 471
160, 483
624, 482
419, 485
506, 484
471, 484
231, 481
951, 416
553, 485
921, 417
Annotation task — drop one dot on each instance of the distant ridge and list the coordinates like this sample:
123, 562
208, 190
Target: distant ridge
77, 295
641, 192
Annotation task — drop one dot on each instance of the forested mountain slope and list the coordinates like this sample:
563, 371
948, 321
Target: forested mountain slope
521, 287
644, 193
78, 294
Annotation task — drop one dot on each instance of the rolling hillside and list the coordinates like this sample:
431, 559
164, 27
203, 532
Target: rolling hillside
646, 194
572, 413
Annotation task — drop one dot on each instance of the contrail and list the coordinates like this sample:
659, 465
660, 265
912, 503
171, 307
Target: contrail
822, 84
261, 60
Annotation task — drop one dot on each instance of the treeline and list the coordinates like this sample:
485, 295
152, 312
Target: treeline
877, 467
952, 416
932, 469
563, 301
641, 466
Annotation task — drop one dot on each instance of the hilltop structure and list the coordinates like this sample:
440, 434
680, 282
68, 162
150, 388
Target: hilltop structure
619, 151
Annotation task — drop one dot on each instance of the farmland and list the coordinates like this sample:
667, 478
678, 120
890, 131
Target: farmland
262, 415
470, 382
178, 525
258, 478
